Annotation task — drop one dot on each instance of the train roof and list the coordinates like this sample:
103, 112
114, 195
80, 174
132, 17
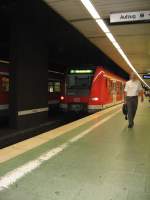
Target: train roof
109, 73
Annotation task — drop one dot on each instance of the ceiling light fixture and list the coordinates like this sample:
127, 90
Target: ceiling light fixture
5, 61
102, 25
111, 37
93, 12
116, 45
89, 6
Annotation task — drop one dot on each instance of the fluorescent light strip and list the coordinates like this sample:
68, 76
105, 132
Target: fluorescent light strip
102, 25
116, 45
5, 61
111, 37
89, 6
51, 71
93, 12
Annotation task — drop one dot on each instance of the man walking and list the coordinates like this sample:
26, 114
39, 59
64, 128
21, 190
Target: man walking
132, 90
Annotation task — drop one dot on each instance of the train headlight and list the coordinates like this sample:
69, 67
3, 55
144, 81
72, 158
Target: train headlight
95, 98
62, 98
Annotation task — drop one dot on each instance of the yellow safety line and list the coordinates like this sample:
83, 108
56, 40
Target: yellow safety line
26, 145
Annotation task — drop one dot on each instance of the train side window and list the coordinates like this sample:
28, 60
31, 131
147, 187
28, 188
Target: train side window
111, 86
106, 81
57, 87
114, 86
117, 87
5, 84
54, 87
50, 87
121, 87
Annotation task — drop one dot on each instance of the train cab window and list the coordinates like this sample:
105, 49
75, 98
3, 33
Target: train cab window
79, 81
4, 84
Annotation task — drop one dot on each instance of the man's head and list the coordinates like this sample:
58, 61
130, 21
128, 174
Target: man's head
133, 76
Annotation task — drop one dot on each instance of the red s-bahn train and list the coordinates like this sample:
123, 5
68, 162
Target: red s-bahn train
91, 89
4, 91
55, 83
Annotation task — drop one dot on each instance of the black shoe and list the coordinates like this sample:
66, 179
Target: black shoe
131, 125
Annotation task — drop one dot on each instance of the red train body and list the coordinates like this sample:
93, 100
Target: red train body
54, 91
88, 89
4, 91
91, 89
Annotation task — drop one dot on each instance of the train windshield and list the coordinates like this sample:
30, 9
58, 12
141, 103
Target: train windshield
79, 84
79, 81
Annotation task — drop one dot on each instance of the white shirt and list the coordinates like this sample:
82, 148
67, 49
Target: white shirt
132, 88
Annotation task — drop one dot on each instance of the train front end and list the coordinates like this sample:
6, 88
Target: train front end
77, 90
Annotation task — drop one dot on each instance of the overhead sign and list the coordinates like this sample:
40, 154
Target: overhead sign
130, 17
82, 71
146, 76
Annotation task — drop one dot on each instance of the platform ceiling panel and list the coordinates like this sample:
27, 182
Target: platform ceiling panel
105, 7
69, 9
88, 28
137, 47
133, 38
108, 48
131, 29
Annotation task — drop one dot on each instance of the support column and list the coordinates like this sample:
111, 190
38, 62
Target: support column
29, 67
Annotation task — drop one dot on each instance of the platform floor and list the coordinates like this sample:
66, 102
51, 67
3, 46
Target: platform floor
98, 158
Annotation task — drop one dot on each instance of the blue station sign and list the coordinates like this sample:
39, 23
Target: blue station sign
146, 76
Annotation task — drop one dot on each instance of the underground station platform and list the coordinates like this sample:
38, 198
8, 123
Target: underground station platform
73, 56
96, 157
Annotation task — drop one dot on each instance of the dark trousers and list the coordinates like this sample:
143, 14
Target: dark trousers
132, 103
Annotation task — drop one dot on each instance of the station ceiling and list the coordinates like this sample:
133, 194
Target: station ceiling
66, 45
134, 39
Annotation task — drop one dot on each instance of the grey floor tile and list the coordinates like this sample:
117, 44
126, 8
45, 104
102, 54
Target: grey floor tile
138, 196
